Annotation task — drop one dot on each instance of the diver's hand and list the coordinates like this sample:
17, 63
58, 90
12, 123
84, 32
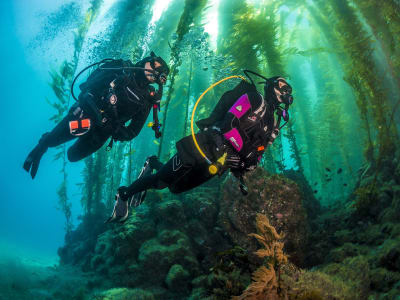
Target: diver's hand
156, 127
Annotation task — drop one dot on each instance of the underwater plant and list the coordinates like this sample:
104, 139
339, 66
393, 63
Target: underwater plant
191, 14
266, 279
362, 75
59, 81
366, 196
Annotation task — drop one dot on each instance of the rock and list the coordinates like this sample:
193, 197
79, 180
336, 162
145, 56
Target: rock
124, 294
197, 232
169, 237
164, 251
202, 205
276, 197
170, 213
310, 203
177, 278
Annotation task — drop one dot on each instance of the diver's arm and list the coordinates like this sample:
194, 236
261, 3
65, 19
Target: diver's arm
135, 126
229, 116
224, 104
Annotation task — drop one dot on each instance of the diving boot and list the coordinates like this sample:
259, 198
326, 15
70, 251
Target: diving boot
121, 207
150, 164
31, 163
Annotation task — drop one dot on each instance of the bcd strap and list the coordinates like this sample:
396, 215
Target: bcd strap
156, 124
79, 127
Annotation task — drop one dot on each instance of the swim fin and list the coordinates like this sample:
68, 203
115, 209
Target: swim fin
121, 208
123, 201
147, 168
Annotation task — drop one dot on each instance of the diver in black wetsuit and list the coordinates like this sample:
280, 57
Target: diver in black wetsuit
115, 93
235, 136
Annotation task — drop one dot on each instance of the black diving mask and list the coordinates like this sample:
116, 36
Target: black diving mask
287, 99
160, 73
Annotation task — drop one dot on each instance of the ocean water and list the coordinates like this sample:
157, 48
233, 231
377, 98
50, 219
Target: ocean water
330, 182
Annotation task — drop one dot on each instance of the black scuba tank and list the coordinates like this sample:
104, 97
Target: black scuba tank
98, 81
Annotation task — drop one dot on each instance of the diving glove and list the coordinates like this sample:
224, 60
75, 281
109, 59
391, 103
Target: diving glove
31, 163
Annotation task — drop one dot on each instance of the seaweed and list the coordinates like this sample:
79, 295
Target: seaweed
363, 75
58, 84
294, 148
266, 281
191, 14
366, 196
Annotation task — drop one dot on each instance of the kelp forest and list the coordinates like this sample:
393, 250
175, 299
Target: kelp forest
322, 216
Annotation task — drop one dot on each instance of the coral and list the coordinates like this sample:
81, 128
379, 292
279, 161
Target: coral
265, 283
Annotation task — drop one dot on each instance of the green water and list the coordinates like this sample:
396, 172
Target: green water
331, 179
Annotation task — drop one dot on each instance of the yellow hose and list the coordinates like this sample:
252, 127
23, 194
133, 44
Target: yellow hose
194, 111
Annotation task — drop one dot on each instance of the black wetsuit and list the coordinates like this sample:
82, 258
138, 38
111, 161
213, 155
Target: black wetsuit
253, 121
135, 98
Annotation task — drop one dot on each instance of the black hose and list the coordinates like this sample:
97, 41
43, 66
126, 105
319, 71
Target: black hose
101, 62
252, 72
83, 70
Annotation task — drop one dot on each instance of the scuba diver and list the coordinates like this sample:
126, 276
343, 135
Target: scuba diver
116, 92
240, 128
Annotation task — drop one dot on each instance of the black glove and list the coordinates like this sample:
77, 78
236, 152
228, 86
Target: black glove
122, 134
233, 160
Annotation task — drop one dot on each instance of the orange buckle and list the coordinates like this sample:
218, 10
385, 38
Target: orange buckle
85, 123
261, 148
73, 125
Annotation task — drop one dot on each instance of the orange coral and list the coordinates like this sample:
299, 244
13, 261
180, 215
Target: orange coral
265, 285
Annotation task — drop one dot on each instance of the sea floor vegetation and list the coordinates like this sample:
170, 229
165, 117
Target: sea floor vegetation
193, 247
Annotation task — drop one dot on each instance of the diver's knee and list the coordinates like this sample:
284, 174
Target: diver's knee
160, 185
73, 155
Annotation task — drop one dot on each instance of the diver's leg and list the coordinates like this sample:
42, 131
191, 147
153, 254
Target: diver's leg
158, 181
59, 135
163, 178
87, 144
